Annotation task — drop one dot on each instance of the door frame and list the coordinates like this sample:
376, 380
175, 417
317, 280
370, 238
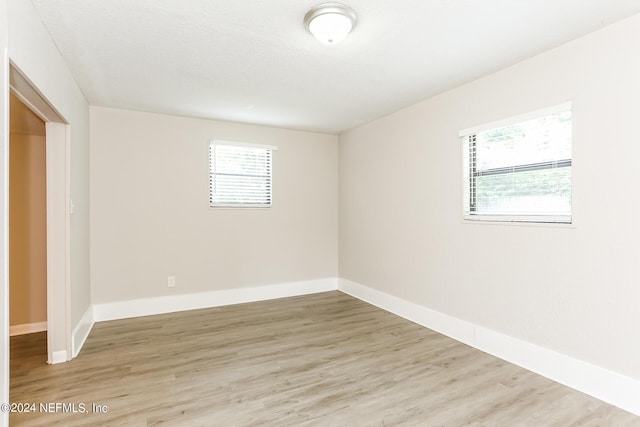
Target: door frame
58, 204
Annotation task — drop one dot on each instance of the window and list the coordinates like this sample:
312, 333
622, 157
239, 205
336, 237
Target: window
239, 174
519, 169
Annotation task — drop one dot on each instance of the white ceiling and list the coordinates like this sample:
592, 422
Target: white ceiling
253, 61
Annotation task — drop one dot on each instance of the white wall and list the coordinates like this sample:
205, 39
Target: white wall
572, 290
32, 51
4, 212
150, 216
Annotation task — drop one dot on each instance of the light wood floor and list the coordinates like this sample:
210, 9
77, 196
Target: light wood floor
320, 360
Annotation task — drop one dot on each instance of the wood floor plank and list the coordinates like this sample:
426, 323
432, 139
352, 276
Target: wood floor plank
318, 360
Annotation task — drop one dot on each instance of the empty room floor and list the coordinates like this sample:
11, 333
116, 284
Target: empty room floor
318, 360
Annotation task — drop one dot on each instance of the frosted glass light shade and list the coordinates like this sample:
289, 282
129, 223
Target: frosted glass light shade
330, 22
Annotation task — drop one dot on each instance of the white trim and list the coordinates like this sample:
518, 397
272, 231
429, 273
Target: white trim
572, 224
565, 106
4, 214
243, 144
183, 302
538, 219
57, 357
447, 325
58, 239
81, 332
68, 336
595, 381
26, 91
27, 328
238, 206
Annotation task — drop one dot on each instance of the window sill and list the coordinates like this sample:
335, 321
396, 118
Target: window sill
571, 225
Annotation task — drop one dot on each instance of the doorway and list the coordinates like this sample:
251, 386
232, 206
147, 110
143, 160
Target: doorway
27, 221
58, 211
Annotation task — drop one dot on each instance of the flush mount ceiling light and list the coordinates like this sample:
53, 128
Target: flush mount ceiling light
330, 22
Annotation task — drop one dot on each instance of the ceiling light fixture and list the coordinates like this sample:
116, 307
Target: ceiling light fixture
330, 22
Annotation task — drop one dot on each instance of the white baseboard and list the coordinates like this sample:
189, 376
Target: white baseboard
58, 357
595, 381
28, 328
173, 303
81, 332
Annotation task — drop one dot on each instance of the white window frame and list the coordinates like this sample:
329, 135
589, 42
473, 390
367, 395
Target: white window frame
552, 220
213, 174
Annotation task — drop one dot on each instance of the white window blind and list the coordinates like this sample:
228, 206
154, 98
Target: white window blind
239, 174
520, 170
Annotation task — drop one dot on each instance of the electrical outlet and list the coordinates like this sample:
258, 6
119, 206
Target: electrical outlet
171, 281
